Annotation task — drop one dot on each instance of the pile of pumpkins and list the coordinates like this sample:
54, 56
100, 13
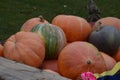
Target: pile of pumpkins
69, 45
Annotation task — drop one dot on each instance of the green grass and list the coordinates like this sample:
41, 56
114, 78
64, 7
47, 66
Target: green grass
13, 13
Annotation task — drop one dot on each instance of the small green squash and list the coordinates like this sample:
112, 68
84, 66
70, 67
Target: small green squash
53, 37
106, 39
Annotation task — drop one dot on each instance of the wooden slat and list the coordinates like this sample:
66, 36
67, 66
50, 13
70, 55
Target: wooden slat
11, 70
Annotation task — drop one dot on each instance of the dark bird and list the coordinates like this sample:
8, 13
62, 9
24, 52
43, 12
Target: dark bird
93, 10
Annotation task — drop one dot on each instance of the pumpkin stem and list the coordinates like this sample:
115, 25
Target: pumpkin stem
98, 26
41, 18
88, 62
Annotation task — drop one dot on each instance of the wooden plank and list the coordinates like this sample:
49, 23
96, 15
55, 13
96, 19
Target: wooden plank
11, 70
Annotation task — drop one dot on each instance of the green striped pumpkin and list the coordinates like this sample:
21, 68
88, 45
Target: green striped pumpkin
53, 37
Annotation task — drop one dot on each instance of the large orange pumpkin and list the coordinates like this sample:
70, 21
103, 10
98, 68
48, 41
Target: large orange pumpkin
109, 61
76, 28
1, 50
79, 57
25, 47
30, 23
50, 64
111, 21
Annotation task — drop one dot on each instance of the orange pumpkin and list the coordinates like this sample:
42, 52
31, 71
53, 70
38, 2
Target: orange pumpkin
1, 50
50, 64
29, 24
75, 28
79, 57
109, 61
25, 47
111, 21
117, 55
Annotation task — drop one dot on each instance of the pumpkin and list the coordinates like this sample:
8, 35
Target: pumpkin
75, 28
117, 55
25, 47
109, 61
109, 21
1, 50
106, 39
53, 37
50, 64
29, 24
79, 57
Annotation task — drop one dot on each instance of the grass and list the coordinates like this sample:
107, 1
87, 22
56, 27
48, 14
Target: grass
13, 13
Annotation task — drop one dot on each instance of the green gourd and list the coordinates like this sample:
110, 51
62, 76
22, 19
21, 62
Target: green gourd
54, 39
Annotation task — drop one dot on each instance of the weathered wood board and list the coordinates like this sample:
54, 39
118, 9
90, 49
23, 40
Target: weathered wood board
11, 70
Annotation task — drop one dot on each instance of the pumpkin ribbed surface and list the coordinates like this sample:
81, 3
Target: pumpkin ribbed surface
53, 37
25, 47
29, 24
109, 21
109, 61
79, 57
75, 28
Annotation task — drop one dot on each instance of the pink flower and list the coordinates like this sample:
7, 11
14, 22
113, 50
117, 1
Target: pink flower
88, 76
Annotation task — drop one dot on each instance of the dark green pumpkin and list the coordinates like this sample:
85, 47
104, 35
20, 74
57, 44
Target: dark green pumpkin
53, 37
106, 39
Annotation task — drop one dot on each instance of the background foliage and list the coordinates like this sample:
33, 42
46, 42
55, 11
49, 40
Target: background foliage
13, 13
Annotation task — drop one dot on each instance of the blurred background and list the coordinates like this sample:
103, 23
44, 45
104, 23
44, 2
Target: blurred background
13, 13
